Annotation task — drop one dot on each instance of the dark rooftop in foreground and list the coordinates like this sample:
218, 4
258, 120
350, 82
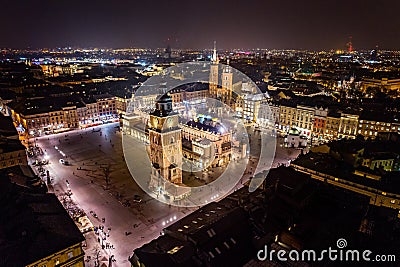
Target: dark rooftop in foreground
207, 235
293, 211
10, 145
7, 128
32, 226
23, 175
327, 164
174, 252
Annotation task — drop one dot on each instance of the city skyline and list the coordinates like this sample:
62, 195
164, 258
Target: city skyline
147, 156
199, 133
308, 25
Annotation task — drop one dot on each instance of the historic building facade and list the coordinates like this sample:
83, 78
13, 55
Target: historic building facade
165, 146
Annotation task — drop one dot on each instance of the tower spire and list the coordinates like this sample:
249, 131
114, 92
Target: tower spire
214, 58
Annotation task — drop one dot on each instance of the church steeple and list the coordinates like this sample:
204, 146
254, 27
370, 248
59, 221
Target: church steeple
213, 79
214, 58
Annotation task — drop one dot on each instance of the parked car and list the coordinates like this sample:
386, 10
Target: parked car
64, 162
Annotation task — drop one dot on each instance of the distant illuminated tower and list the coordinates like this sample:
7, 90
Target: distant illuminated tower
350, 45
165, 148
213, 79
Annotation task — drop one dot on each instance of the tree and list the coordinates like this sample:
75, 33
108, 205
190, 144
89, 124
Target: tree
107, 172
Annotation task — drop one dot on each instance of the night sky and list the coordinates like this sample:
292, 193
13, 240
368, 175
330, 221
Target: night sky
306, 24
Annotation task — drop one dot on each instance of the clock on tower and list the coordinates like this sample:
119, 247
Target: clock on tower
165, 142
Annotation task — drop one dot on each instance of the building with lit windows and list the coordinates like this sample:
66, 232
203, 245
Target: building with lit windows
135, 125
106, 107
332, 125
371, 124
193, 93
40, 116
88, 114
251, 107
348, 125
58, 70
268, 114
321, 122
287, 116
45, 115
385, 84
386, 161
200, 152
71, 119
299, 116
205, 131
319, 126
142, 104
304, 119
188, 93
177, 95
275, 109
121, 104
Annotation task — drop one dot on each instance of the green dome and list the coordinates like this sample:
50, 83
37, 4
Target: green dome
294, 131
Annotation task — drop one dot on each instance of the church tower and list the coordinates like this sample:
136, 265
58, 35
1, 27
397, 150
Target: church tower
165, 147
213, 79
225, 93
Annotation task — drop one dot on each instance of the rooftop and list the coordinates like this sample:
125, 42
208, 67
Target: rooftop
169, 251
303, 213
24, 176
37, 226
11, 145
207, 125
7, 128
326, 164
44, 104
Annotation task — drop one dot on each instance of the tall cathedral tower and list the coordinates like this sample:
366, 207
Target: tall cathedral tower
213, 79
225, 93
165, 144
